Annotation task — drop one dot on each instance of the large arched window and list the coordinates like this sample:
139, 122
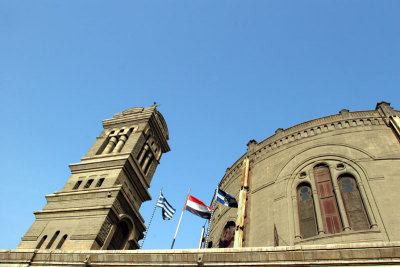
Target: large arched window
308, 227
330, 200
327, 199
353, 203
120, 236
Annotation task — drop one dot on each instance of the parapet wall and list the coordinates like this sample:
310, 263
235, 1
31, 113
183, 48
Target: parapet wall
361, 254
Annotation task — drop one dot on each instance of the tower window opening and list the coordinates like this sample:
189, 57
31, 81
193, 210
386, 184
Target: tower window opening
41, 242
52, 240
76, 186
100, 182
89, 183
120, 236
61, 241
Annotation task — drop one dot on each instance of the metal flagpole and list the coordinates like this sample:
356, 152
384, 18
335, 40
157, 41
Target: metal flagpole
151, 218
201, 236
180, 219
212, 213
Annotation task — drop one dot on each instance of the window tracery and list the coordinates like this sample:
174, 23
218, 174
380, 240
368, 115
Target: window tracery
329, 200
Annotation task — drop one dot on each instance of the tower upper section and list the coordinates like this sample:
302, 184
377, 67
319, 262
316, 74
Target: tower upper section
98, 207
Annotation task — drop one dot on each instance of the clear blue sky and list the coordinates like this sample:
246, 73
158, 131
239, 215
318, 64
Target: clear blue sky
224, 72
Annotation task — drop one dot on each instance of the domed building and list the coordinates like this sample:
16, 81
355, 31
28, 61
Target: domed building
320, 193
330, 180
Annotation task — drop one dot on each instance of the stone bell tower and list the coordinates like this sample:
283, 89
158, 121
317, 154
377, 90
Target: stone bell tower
98, 208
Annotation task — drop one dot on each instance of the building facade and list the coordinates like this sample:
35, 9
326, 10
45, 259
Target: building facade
98, 208
330, 180
321, 193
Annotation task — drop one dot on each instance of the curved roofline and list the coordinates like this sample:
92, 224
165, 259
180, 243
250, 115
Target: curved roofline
343, 115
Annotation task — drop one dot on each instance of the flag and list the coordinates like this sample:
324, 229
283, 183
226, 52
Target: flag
167, 210
226, 199
198, 208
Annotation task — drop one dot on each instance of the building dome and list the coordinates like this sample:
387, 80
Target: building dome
326, 181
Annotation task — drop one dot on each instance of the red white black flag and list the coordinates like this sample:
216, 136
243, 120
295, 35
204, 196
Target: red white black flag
198, 208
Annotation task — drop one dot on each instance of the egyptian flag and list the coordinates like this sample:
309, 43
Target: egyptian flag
198, 208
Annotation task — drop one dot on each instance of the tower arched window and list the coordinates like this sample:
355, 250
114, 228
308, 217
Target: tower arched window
353, 203
120, 236
61, 241
307, 220
52, 240
327, 199
41, 242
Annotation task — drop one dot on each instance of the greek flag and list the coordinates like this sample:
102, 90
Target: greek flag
167, 210
226, 199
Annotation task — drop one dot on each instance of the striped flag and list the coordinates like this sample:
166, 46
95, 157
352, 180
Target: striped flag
167, 210
226, 199
198, 208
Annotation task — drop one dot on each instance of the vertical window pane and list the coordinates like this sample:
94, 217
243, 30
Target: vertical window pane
327, 200
353, 203
307, 220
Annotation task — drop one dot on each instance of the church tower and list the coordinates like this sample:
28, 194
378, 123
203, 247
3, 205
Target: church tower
98, 208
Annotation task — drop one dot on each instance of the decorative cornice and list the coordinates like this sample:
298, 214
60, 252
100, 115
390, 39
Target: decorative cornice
342, 121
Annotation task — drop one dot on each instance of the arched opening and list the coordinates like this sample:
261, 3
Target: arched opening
41, 242
353, 203
307, 220
52, 240
227, 235
120, 236
61, 241
327, 199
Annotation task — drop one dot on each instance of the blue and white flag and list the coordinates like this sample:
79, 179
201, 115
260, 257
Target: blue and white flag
226, 199
167, 210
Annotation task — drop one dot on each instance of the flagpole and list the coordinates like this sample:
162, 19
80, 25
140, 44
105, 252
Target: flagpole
201, 236
151, 218
212, 213
180, 219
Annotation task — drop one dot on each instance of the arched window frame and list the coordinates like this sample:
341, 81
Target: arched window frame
305, 169
360, 198
299, 211
131, 228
